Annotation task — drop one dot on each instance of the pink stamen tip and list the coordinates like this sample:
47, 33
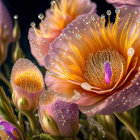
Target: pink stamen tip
108, 72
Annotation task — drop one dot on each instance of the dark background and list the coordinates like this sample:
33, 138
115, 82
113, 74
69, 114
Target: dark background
28, 11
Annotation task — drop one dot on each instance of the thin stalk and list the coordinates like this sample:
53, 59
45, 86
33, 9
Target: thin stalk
125, 119
32, 120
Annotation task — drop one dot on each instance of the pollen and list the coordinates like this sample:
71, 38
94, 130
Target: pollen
3, 135
29, 81
94, 70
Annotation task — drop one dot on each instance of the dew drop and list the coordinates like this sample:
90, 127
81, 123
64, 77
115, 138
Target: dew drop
86, 86
77, 36
108, 12
138, 20
15, 17
117, 11
102, 16
33, 24
93, 18
41, 16
131, 51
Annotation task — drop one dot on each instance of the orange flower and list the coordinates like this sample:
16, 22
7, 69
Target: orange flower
97, 66
61, 13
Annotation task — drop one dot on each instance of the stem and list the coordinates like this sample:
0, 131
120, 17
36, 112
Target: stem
4, 79
110, 135
125, 119
21, 126
32, 120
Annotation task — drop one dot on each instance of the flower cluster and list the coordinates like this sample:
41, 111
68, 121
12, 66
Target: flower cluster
92, 64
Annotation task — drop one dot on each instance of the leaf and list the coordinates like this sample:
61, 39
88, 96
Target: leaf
5, 108
52, 123
46, 137
42, 137
4, 97
125, 134
6, 112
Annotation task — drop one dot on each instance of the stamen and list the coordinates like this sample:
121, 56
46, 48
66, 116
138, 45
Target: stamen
103, 19
33, 24
41, 16
53, 4
108, 72
108, 12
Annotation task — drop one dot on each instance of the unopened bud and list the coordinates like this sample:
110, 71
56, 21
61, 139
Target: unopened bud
58, 118
16, 29
17, 52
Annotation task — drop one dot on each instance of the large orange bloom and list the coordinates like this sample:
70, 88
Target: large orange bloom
97, 66
61, 13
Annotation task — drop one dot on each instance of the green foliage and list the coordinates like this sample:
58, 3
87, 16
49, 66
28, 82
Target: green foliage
5, 108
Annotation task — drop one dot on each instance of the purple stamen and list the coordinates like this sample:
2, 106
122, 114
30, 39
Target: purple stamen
108, 72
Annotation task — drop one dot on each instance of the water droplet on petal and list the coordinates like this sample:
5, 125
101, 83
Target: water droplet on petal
131, 51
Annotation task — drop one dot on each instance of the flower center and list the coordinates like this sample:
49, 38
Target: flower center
104, 68
29, 81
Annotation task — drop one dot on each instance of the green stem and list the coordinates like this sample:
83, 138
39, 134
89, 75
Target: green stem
4, 79
110, 135
125, 119
33, 122
21, 126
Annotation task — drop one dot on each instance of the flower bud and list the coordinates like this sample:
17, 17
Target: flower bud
5, 31
58, 118
8, 131
17, 52
27, 83
16, 29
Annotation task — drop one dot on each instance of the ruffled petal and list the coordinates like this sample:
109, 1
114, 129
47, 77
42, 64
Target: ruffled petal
124, 2
120, 101
50, 28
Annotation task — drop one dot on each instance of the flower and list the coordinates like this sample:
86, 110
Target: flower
126, 6
58, 118
5, 31
125, 2
7, 130
97, 66
61, 13
27, 83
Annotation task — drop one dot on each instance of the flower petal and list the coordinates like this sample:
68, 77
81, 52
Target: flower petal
124, 2
120, 101
10, 130
50, 28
